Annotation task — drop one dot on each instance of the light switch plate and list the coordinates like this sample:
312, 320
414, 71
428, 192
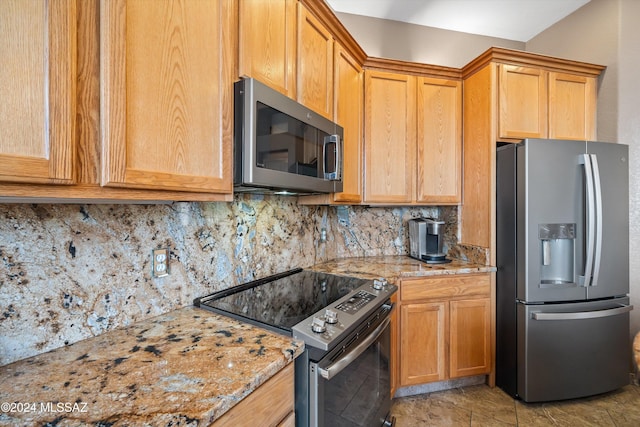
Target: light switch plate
160, 262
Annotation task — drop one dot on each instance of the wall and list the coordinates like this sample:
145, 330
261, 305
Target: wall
408, 42
607, 32
629, 133
68, 272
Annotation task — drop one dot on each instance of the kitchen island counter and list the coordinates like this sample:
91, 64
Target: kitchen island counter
396, 267
186, 367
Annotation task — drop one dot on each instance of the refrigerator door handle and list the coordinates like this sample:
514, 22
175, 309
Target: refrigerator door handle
585, 280
598, 209
581, 315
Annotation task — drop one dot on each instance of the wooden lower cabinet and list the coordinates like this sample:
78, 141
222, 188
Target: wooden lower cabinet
272, 404
445, 328
469, 341
423, 343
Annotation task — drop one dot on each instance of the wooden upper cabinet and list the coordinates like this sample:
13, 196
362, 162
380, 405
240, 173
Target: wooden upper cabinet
166, 95
535, 103
390, 135
314, 64
522, 100
267, 43
348, 113
38, 72
439, 136
413, 139
572, 106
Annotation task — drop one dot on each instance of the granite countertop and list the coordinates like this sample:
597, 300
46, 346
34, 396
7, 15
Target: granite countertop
396, 267
185, 367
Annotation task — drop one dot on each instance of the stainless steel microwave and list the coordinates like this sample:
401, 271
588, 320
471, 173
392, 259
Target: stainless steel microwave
281, 146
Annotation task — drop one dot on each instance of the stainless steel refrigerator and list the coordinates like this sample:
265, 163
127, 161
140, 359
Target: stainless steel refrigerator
562, 254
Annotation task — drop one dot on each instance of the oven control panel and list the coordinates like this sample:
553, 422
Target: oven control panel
326, 328
356, 302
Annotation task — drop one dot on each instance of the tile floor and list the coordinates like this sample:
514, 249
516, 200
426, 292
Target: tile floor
481, 405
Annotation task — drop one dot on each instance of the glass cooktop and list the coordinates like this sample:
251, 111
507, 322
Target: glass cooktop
281, 301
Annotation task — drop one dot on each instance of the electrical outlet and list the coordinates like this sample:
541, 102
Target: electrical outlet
160, 262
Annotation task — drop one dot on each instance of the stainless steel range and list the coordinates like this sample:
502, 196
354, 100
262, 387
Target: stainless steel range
343, 376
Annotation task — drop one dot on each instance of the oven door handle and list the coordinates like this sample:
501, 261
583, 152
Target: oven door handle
336, 367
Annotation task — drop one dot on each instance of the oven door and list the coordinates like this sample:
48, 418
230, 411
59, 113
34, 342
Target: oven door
350, 386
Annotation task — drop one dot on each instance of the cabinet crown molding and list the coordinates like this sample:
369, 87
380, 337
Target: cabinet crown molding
529, 59
413, 68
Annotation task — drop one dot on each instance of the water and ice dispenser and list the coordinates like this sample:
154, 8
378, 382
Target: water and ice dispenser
557, 254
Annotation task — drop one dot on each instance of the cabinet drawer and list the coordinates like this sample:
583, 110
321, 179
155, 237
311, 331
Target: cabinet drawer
446, 287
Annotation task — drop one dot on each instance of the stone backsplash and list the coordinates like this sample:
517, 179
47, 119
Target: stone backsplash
69, 272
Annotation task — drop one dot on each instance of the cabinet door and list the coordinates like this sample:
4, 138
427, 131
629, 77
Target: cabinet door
348, 108
423, 343
267, 43
389, 137
166, 94
315, 64
522, 102
395, 346
38, 72
572, 107
470, 351
439, 117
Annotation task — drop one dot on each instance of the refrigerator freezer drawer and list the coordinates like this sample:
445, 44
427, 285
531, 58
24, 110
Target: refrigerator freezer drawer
567, 351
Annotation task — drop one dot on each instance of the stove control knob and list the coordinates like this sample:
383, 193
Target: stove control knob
318, 325
331, 317
379, 284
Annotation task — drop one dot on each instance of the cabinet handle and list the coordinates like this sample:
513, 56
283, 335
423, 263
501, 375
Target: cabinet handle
581, 315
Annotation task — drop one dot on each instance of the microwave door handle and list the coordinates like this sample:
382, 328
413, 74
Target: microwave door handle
338, 158
585, 159
324, 157
335, 175
598, 215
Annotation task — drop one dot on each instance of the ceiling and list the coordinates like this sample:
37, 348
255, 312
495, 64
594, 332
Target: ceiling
518, 20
